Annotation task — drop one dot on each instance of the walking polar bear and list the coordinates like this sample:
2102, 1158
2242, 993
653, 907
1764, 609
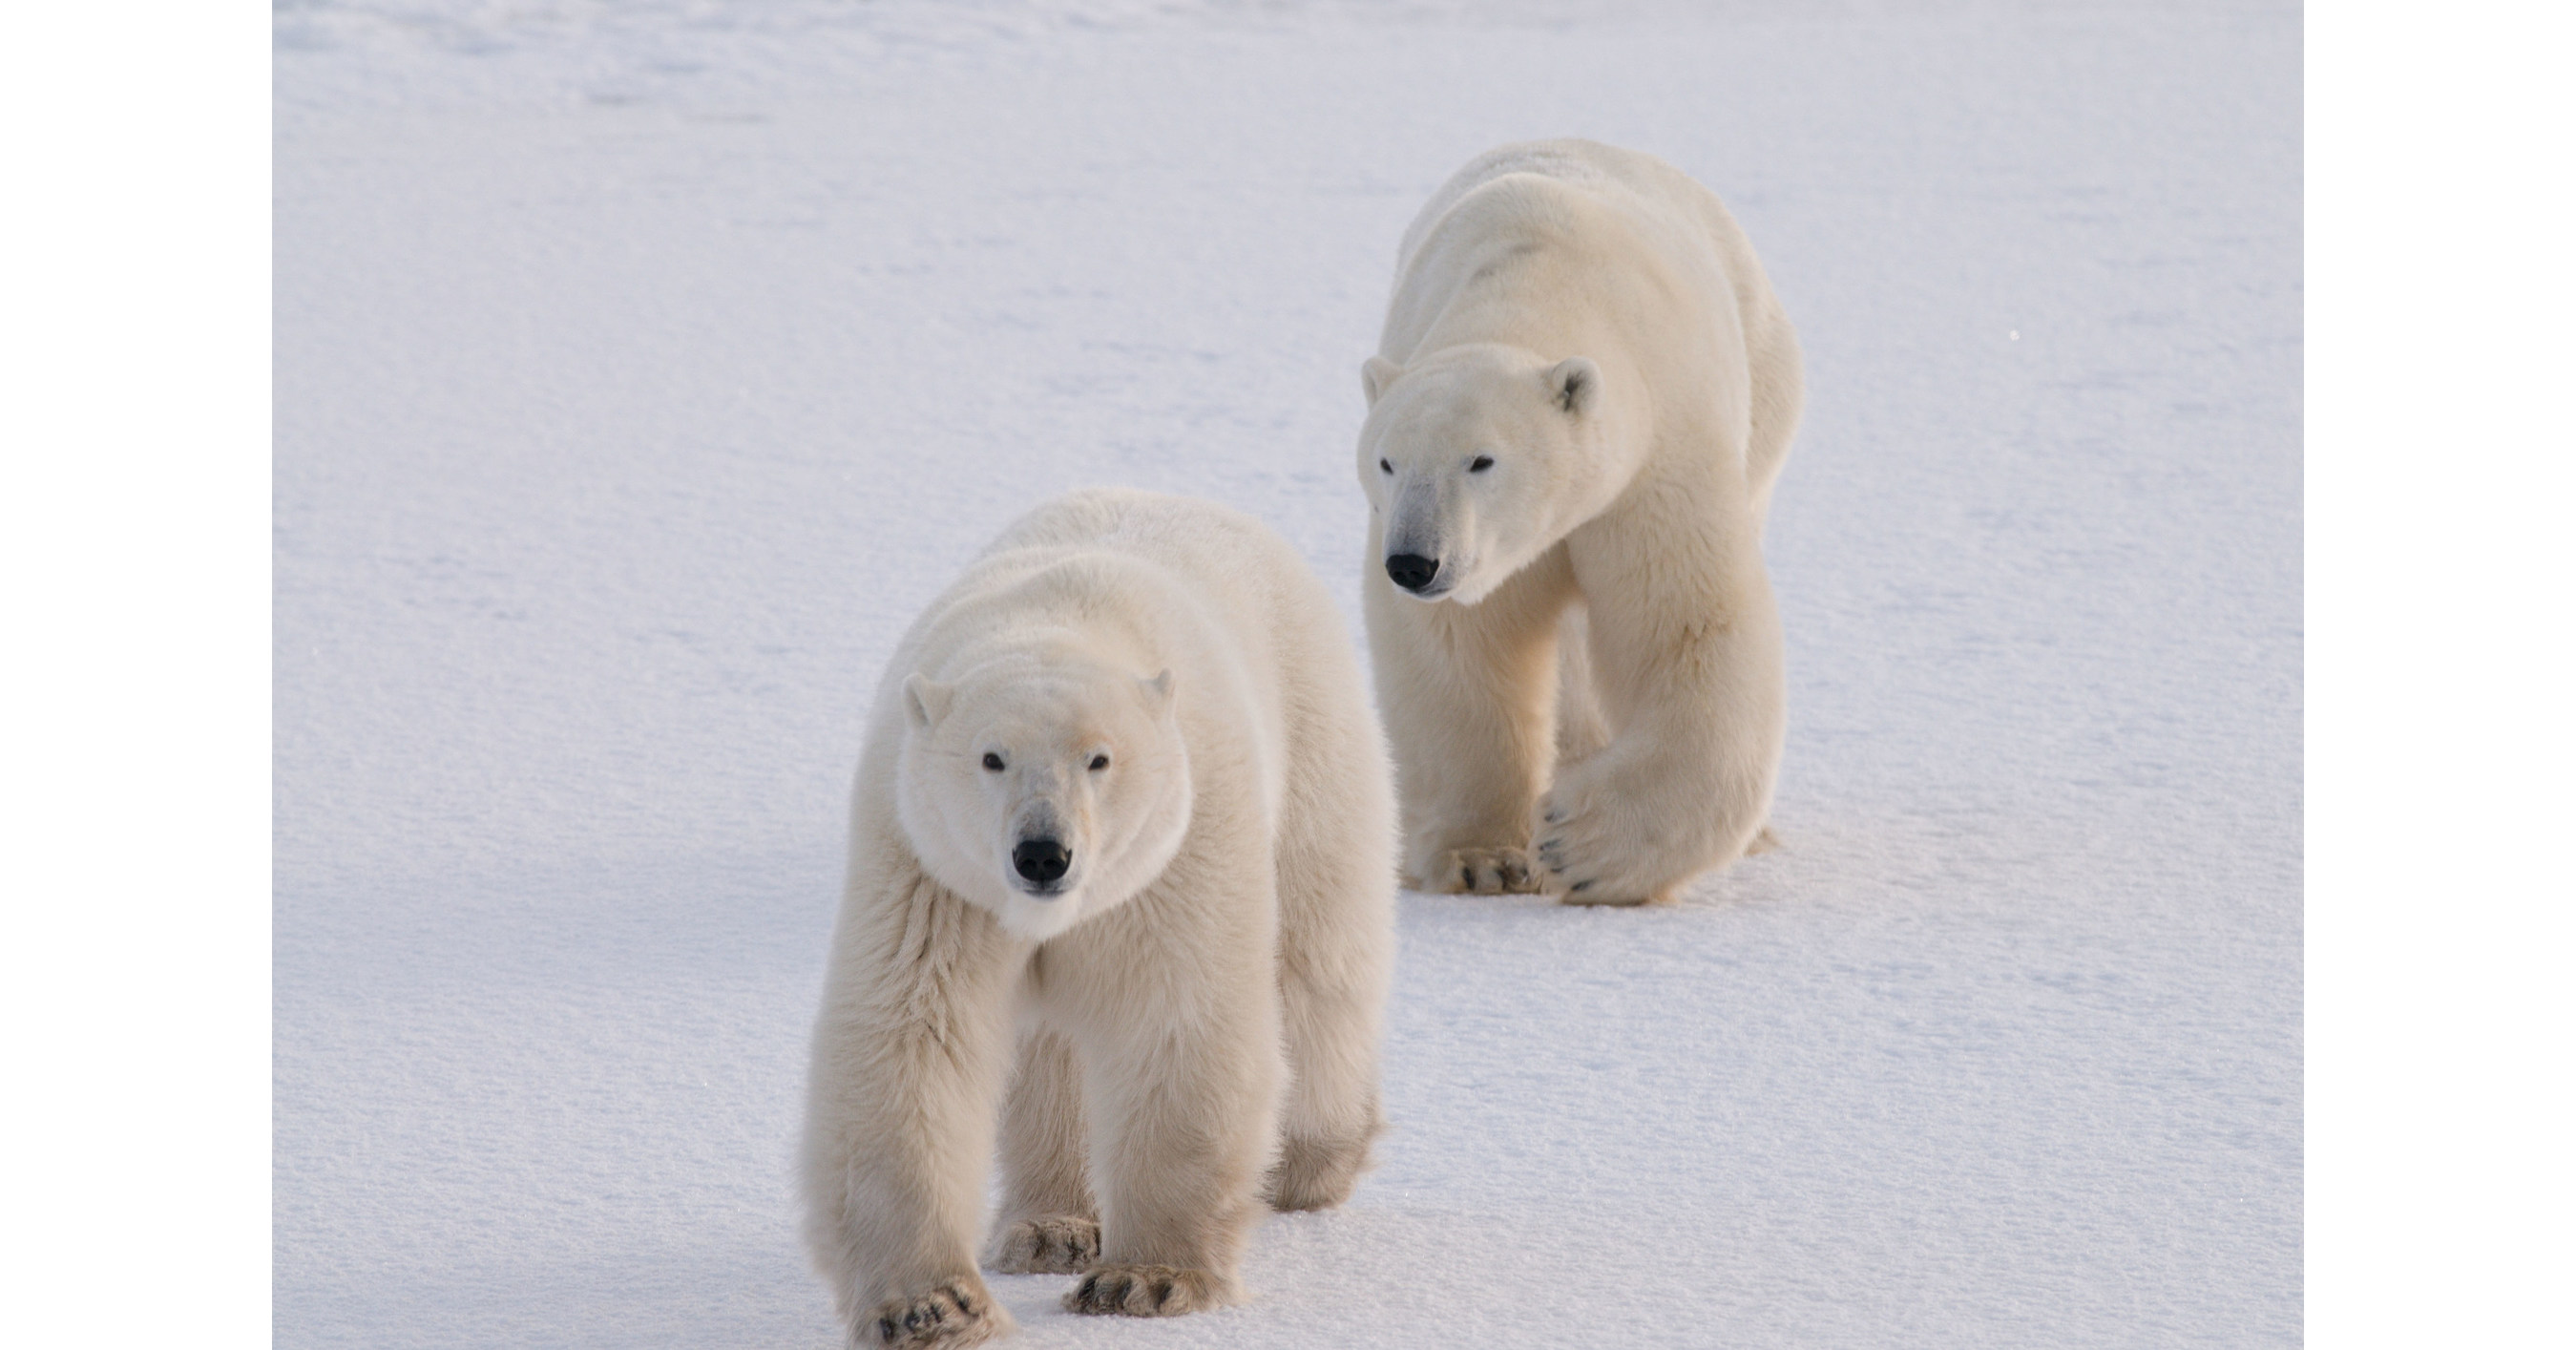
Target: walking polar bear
1124, 818
1584, 392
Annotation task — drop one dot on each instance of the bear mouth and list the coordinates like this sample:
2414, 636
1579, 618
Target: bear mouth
1044, 890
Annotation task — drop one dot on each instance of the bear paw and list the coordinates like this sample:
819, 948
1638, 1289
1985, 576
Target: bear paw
957, 1314
1484, 871
1591, 847
1314, 1174
1145, 1291
1057, 1244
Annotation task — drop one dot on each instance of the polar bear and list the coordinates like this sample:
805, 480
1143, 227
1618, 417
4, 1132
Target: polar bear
1121, 883
1583, 394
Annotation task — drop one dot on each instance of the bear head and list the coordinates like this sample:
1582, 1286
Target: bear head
1480, 458
1044, 791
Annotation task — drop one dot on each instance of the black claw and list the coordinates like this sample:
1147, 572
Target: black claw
1580, 886
885, 1330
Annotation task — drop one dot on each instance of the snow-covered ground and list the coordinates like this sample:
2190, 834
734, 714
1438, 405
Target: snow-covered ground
640, 368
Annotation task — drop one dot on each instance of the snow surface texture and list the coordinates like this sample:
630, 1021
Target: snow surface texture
642, 368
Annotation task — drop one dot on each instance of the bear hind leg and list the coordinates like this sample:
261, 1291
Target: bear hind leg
1336, 949
1049, 1223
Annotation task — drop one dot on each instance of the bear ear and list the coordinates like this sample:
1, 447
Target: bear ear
1574, 383
1157, 692
926, 700
1376, 373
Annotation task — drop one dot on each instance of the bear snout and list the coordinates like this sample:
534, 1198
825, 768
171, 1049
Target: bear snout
1412, 571
1043, 862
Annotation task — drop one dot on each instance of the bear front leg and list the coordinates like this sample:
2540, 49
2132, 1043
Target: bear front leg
1181, 1146
1181, 1064
1048, 1224
1685, 785
907, 1069
1468, 693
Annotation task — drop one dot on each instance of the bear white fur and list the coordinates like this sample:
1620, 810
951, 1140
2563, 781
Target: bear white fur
1583, 394
1180, 1026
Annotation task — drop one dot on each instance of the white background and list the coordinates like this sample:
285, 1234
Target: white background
2003, 1049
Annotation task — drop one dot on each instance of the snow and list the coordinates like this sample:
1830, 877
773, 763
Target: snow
641, 368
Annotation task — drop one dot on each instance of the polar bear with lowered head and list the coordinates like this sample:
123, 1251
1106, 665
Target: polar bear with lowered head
1121, 884
1583, 394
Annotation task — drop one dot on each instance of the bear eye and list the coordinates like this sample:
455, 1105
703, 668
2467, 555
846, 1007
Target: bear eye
1099, 762
992, 761
1482, 463
1384, 467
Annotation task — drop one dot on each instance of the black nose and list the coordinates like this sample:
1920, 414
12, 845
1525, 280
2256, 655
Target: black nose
1041, 860
1412, 571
